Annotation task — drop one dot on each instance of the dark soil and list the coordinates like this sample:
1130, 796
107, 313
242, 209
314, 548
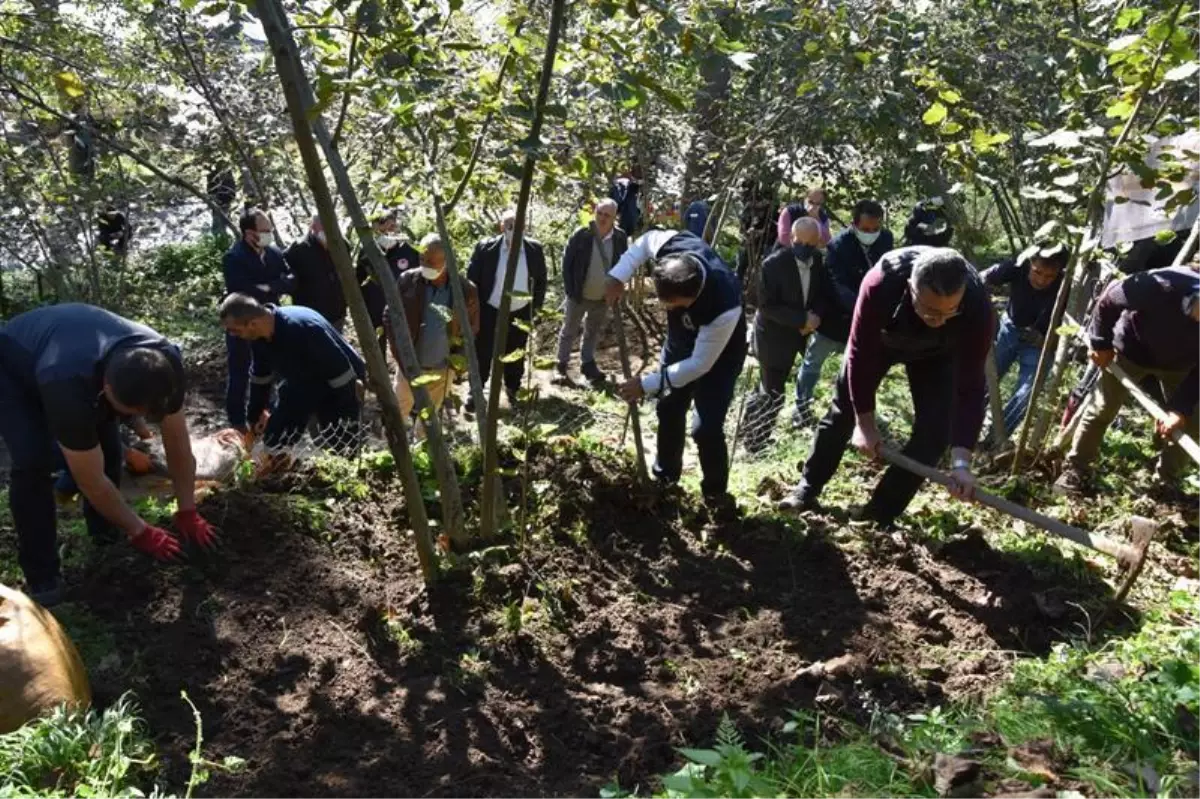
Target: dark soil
622, 629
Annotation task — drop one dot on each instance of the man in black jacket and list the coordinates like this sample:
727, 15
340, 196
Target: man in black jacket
487, 269
849, 257
317, 285
793, 294
400, 256
590, 253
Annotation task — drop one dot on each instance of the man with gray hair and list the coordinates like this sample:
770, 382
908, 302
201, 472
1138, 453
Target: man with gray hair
590, 253
925, 308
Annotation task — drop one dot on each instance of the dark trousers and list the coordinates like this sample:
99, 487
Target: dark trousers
763, 406
931, 381
336, 411
711, 396
485, 346
35, 457
241, 360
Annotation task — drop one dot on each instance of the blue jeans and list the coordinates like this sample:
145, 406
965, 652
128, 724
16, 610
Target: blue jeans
818, 351
1010, 348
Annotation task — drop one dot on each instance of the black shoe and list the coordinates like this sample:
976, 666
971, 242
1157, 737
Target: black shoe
592, 372
561, 370
869, 514
722, 507
47, 594
469, 405
514, 398
800, 499
1072, 482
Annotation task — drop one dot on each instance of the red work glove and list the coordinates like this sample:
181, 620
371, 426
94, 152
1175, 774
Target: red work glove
156, 542
194, 529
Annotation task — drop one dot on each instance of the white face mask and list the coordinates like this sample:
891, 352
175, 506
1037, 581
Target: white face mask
429, 273
386, 241
867, 239
266, 239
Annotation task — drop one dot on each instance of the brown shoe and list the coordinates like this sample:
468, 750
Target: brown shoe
1072, 482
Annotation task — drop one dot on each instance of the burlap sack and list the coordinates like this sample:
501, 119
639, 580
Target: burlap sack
39, 666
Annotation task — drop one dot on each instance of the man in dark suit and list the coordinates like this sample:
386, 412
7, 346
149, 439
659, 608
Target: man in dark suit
793, 294
486, 270
317, 284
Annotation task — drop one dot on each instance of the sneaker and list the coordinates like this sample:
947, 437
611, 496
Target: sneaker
592, 372
47, 594
801, 498
1072, 482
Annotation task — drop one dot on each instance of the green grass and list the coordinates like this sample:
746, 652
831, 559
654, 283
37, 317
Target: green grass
79, 753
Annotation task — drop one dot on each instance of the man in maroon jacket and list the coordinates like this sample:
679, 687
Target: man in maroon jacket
925, 308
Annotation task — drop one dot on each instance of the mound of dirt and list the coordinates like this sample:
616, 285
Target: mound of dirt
622, 629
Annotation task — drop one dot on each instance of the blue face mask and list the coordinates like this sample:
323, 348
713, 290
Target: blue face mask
804, 252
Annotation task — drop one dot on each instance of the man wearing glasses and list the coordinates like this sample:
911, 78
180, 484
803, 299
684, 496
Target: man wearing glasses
590, 253
925, 308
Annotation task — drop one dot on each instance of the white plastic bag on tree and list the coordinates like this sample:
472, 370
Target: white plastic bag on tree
39, 665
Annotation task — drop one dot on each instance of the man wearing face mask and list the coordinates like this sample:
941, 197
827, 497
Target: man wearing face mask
928, 225
488, 265
849, 257
436, 332
589, 254
701, 358
925, 308
319, 373
317, 284
255, 267
1034, 278
68, 373
400, 257
792, 297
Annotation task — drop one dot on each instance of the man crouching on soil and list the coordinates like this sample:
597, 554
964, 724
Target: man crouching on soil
926, 308
67, 374
701, 358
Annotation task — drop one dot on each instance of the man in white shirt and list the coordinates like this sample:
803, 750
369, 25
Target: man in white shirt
702, 355
488, 265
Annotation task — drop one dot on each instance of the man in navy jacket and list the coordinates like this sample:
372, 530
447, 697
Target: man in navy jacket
254, 267
850, 256
702, 356
319, 373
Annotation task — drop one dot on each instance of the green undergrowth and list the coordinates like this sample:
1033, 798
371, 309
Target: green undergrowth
1113, 720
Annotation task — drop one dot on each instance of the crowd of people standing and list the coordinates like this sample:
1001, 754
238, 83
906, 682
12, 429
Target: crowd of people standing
70, 373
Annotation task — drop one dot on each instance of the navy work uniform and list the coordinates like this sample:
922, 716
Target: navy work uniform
52, 365
265, 277
701, 358
317, 371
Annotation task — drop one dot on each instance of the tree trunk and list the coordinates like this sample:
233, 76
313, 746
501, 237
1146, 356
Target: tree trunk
291, 75
491, 477
474, 377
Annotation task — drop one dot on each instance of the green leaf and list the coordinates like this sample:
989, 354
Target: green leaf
950, 128
1183, 71
513, 356
233, 763
1067, 180
811, 47
69, 84
1164, 236
425, 380
705, 757
934, 114
950, 96
1121, 109
1127, 18
522, 325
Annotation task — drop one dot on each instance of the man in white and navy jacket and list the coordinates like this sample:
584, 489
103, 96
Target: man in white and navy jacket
702, 356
